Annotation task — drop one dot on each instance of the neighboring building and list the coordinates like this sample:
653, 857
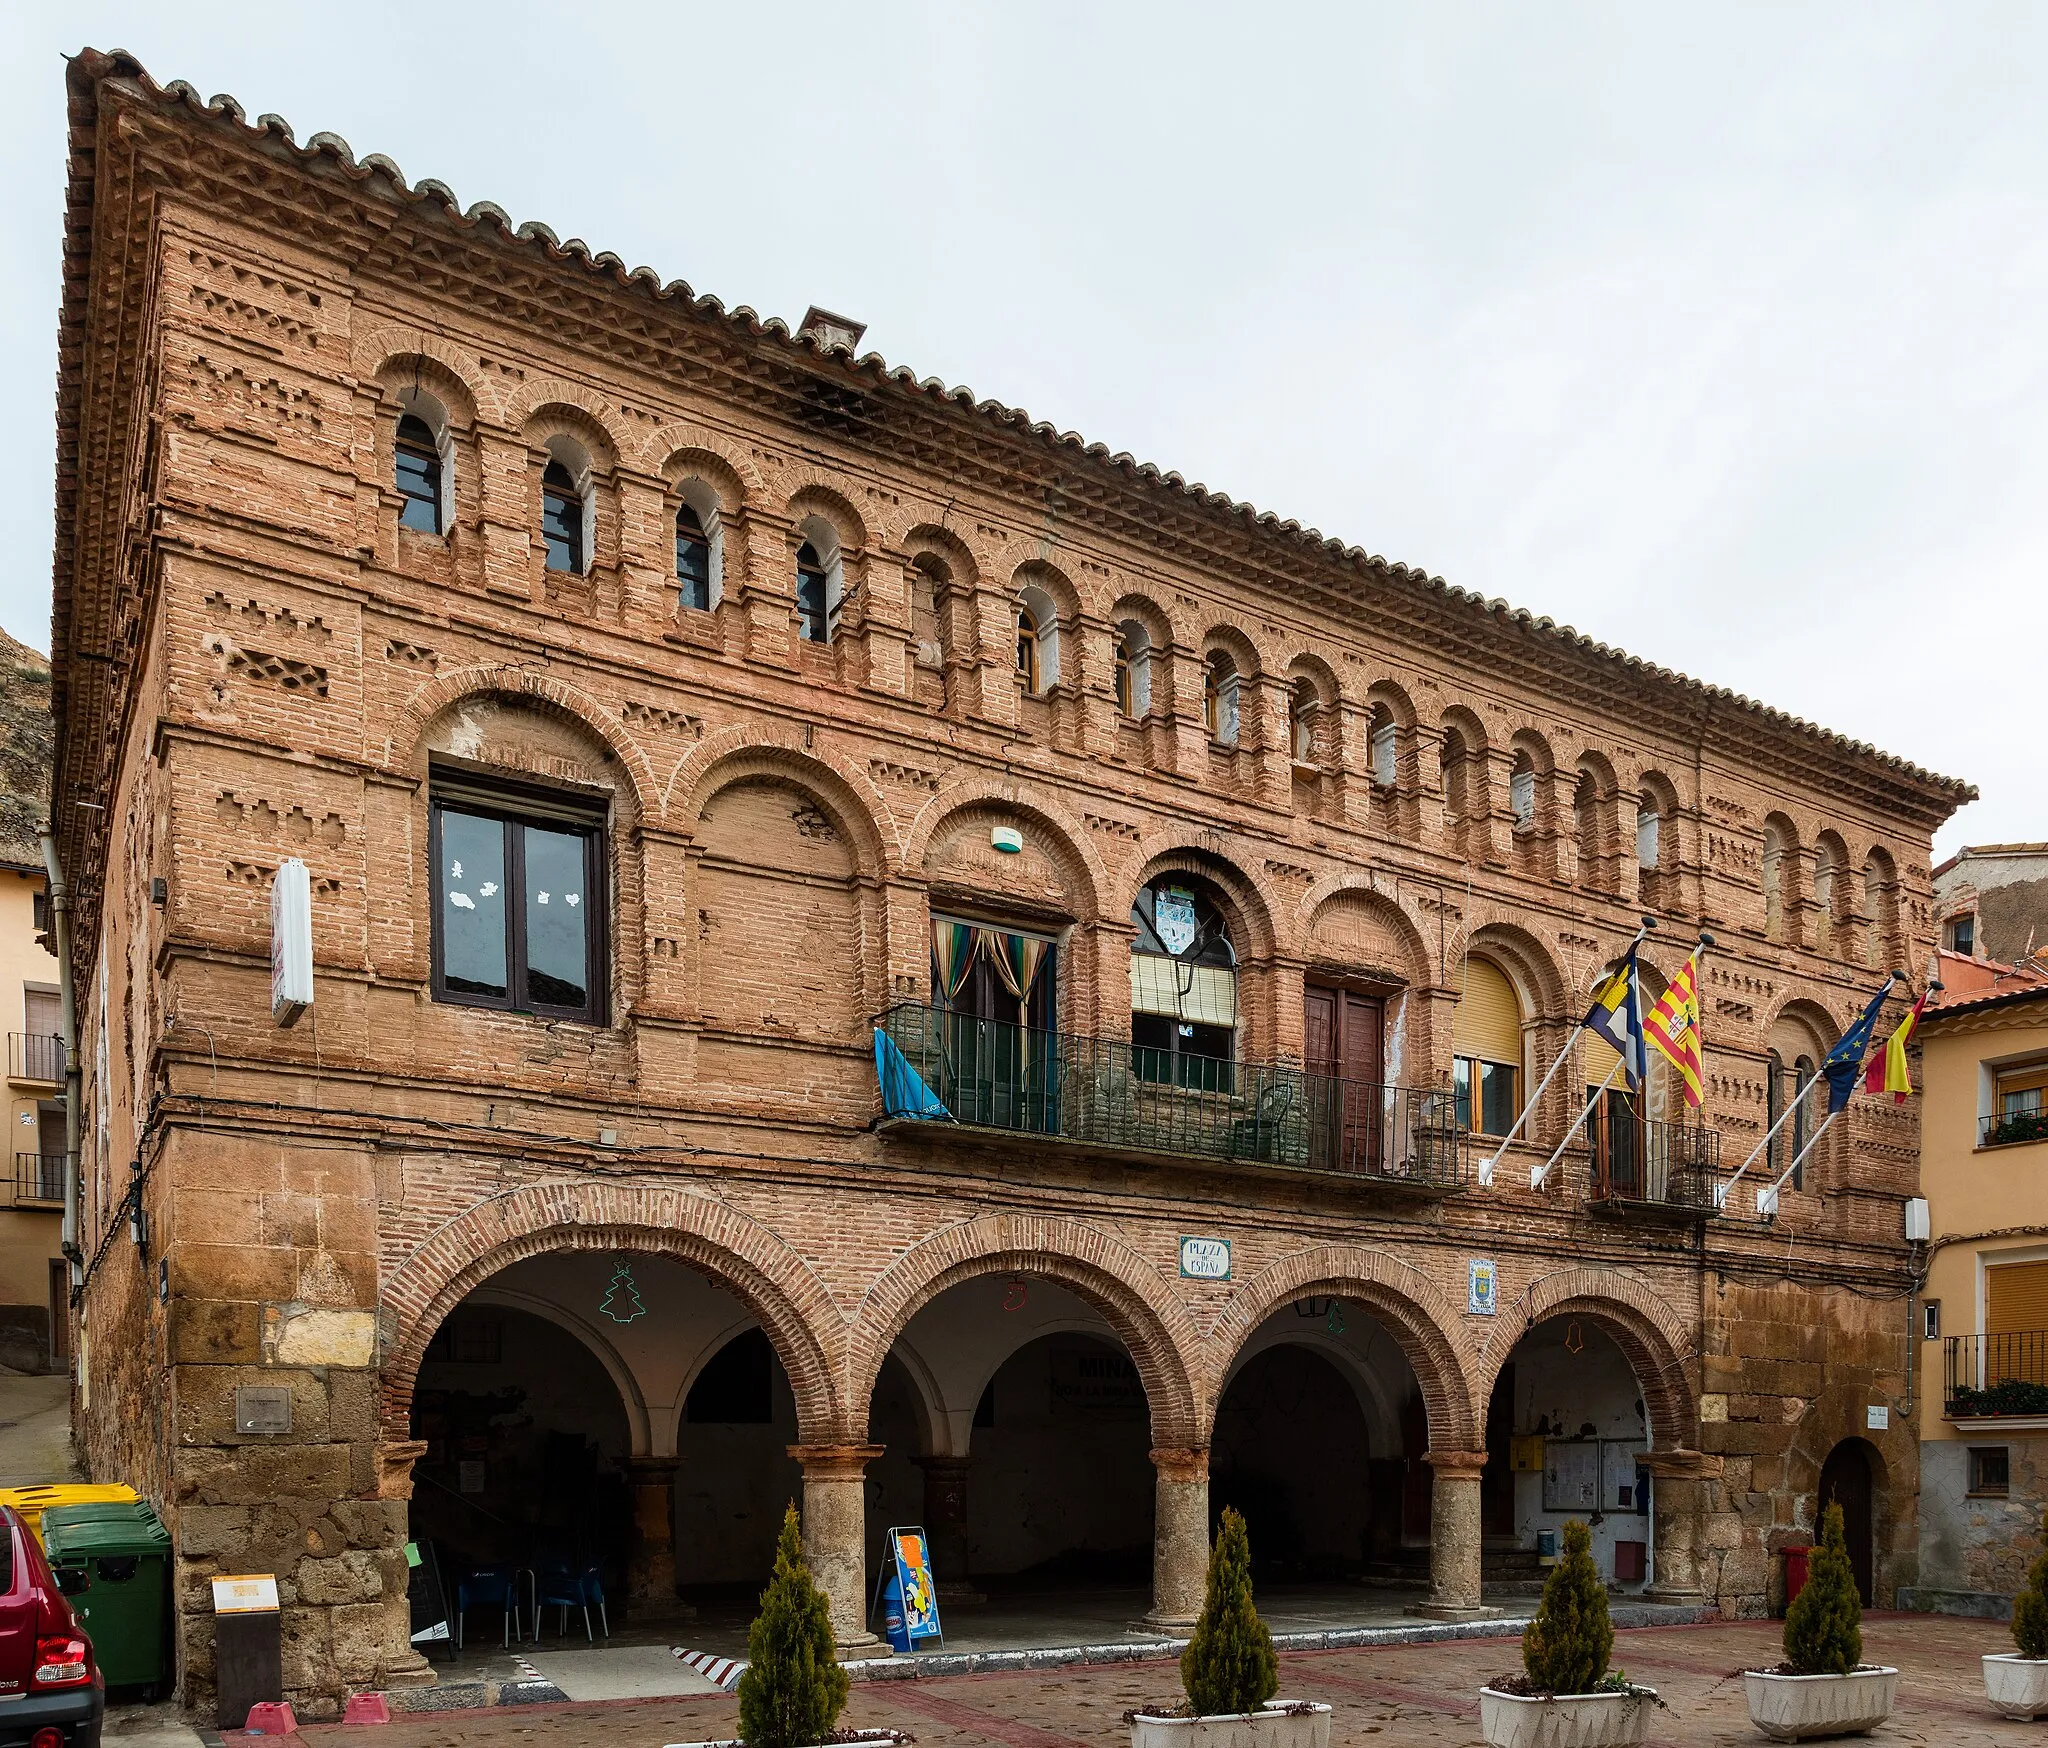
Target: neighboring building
665, 705
1991, 901
1984, 1314
34, 1288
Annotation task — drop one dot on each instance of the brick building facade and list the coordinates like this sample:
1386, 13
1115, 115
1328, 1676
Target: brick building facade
474, 570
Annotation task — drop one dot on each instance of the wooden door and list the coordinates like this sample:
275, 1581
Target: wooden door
1845, 1481
1344, 1037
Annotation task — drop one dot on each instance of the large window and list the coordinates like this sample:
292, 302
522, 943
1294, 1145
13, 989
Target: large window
561, 519
518, 893
418, 476
1183, 987
1790, 1088
1486, 1044
2020, 1104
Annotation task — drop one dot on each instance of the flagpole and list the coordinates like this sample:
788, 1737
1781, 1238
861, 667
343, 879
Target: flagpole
1767, 1198
1538, 1173
1486, 1166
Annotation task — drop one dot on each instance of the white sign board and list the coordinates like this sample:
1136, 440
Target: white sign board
255, 1594
1205, 1259
1877, 1420
291, 942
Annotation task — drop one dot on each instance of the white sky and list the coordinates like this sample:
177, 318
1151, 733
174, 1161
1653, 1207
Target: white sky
1721, 336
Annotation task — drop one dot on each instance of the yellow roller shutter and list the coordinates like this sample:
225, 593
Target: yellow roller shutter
2015, 1297
1489, 1022
1204, 994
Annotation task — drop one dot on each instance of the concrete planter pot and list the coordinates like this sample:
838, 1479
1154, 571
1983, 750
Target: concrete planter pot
1280, 1723
1800, 1708
1569, 1720
2017, 1686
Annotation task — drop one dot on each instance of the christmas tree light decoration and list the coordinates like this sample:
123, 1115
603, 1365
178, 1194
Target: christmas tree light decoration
622, 1302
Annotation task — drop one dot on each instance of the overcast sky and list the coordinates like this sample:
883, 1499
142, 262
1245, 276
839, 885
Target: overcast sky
1723, 337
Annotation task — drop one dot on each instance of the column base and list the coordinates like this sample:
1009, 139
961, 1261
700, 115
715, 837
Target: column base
1676, 1598
1453, 1611
407, 1669
862, 1646
1176, 1628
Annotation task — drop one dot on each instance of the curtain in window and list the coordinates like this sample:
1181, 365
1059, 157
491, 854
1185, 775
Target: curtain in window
1017, 959
953, 947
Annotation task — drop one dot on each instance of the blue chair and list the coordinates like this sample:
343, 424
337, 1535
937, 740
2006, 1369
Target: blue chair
492, 1587
562, 1587
593, 1592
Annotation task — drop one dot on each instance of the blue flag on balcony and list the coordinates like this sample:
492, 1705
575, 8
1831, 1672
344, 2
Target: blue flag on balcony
904, 1093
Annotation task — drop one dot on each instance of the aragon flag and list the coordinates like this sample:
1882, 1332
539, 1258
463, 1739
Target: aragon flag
1673, 1027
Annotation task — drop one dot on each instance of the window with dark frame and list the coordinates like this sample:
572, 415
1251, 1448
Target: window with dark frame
1962, 935
1930, 1319
1184, 1014
561, 519
1990, 1471
519, 882
417, 471
693, 560
813, 609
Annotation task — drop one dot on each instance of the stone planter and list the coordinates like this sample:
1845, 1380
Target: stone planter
2017, 1686
1571, 1720
1799, 1708
1281, 1723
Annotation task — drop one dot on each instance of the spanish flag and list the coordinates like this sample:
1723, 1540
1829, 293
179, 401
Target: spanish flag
1886, 1072
1673, 1027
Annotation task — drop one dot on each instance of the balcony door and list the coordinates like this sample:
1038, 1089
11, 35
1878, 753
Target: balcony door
999, 989
1345, 1055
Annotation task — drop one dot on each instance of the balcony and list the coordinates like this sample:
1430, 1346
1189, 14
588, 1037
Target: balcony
1667, 1170
2012, 1127
39, 1179
35, 1057
990, 1078
1996, 1377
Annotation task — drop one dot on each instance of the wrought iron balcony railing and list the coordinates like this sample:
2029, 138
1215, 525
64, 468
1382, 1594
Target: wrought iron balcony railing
36, 1056
1641, 1163
39, 1177
1107, 1092
1992, 1375
2003, 1129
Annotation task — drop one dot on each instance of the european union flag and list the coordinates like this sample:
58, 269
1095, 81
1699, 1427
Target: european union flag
1844, 1064
1617, 1016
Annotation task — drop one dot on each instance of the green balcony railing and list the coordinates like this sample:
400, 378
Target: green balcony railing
1110, 1093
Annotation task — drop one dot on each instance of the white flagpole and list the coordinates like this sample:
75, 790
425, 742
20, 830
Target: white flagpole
1538, 1173
1767, 1198
1486, 1165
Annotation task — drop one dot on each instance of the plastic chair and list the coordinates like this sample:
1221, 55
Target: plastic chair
564, 1589
493, 1587
593, 1592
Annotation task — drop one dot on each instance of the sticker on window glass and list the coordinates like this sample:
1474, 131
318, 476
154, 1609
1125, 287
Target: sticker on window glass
543, 897
455, 868
462, 899
489, 889
572, 899
1173, 918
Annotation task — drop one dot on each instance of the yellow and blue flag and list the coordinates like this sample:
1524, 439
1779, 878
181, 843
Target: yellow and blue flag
1673, 1028
1617, 1016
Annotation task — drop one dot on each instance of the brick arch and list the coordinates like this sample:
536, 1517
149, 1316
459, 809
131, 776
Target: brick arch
1658, 1347
379, 347
778, 751
1071, 839
654, 453
1198, 849
762, 1272
538, 394
1422, 968
409, 725
1532, 964
1421, 1316
1130, 1292
808, 492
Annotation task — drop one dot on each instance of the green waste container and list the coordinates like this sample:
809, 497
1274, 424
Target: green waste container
113, 1560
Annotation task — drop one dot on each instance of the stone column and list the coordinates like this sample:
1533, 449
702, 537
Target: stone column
1678, 1502
945, 1527
835, 1538
1454, 1583
1180, 1537
651, 1571
401, 1664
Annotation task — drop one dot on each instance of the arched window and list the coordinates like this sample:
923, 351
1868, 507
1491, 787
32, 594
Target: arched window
1775, 848
1649, 836
1587, 804
1804, 1079
1385, 745
419, 475
813, 606
1303, 706
561, 519
1134, 669
1027, 648
1184, 1014
1522, 791
1219, 698
1486, 1047
693, 560
1828, 897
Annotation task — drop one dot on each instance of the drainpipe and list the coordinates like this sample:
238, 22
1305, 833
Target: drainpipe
60, 923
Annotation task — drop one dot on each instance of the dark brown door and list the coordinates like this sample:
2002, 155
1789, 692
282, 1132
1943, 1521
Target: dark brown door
60, 1311
1343, 1040
1845, 1481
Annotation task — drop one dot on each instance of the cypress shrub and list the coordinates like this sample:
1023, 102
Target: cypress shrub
2030, 1607
1566, 1647
1824, 1625
793, 1688
1228, 1665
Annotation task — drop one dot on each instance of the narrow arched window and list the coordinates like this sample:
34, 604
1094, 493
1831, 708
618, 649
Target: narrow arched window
813, 608
1027, 648
417, 468
1301, 722
561, 519
1219, 699
1649, 836
1133, 669
1385, 747
1774, 883
1522, 791
693, 559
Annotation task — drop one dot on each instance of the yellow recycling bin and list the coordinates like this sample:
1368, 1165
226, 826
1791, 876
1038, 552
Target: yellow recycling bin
32, 1502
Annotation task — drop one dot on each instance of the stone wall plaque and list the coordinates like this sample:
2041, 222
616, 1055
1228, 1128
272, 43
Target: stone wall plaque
263, 1408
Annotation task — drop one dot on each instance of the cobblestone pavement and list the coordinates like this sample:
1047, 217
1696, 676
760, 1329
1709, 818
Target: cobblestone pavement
1421, 1694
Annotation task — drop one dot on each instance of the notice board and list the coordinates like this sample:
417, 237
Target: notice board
1571, 1475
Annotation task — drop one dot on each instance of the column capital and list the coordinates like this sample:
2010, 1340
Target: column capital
1181, 1463
835, 1462
1447, 1463
1680, 1465
648, 1470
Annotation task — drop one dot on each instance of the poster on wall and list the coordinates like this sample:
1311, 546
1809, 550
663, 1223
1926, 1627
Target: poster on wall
1624, 1486
1571, 1475
914, 1575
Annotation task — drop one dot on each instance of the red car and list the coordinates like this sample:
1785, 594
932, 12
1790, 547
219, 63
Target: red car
51, 1694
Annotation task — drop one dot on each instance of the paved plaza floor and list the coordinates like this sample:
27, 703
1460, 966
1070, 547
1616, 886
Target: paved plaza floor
1398, 1694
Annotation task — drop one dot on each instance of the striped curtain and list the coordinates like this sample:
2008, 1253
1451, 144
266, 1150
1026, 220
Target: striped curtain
1017, 959
953, 946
